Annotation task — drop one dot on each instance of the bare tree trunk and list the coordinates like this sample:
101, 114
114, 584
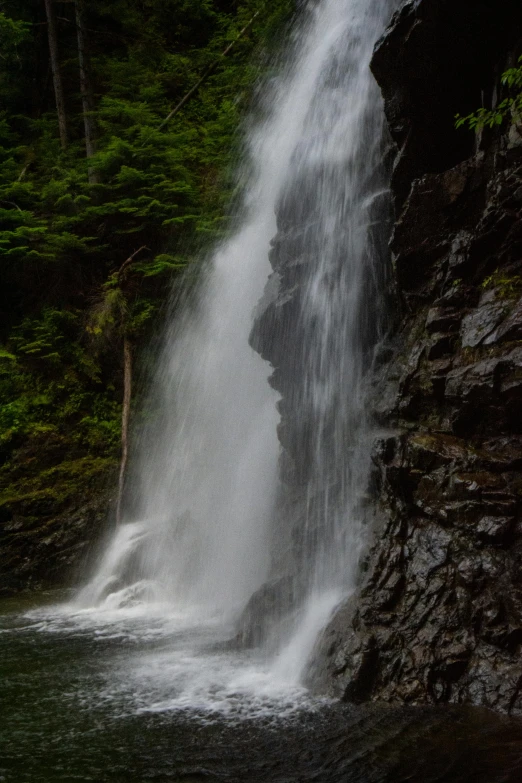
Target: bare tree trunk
57, 76
125, 420
86, 90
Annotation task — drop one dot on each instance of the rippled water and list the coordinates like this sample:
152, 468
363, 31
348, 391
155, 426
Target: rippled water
123, 697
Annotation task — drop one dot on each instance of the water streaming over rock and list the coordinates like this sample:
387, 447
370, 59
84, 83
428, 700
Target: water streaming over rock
322, 317
212, 482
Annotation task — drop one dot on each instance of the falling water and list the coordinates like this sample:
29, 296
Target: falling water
324, 316
204, 539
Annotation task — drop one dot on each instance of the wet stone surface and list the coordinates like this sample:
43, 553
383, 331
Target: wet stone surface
439, 617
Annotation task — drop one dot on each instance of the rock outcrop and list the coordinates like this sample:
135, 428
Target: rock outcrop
439, 616
50, 518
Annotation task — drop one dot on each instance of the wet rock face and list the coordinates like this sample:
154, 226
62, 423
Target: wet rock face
436, 60
46, 533
441, 611
439, 618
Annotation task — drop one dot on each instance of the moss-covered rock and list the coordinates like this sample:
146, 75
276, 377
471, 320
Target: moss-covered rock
54, 500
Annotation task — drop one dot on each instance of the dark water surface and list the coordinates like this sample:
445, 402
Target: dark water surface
73, 710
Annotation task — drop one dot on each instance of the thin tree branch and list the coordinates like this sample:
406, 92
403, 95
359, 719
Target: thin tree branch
129, 261
24, 172
11, 203
125, 423
59, 18
210, 70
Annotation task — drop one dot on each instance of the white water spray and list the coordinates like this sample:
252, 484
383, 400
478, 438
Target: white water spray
208, 472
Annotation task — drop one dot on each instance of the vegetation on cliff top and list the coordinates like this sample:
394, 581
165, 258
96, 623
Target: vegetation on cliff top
508, 108
89, 174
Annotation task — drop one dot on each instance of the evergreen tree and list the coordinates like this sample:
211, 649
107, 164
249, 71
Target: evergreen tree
91, 171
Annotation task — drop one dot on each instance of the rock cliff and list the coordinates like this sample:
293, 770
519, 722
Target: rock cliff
50, 519
439, 615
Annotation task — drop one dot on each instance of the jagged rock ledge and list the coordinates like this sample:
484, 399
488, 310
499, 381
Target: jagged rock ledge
439, 617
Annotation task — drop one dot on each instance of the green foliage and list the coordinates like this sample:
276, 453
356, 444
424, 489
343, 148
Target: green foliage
50, 383
509, 108
164, 188
508, 287
64, 235
12, 34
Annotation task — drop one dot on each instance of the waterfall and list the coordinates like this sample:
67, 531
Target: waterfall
322, 317
211, 481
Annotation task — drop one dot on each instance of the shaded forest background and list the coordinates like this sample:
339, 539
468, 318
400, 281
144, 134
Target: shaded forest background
111, 187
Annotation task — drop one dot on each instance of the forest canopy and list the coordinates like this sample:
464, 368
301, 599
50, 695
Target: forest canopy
93, 181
